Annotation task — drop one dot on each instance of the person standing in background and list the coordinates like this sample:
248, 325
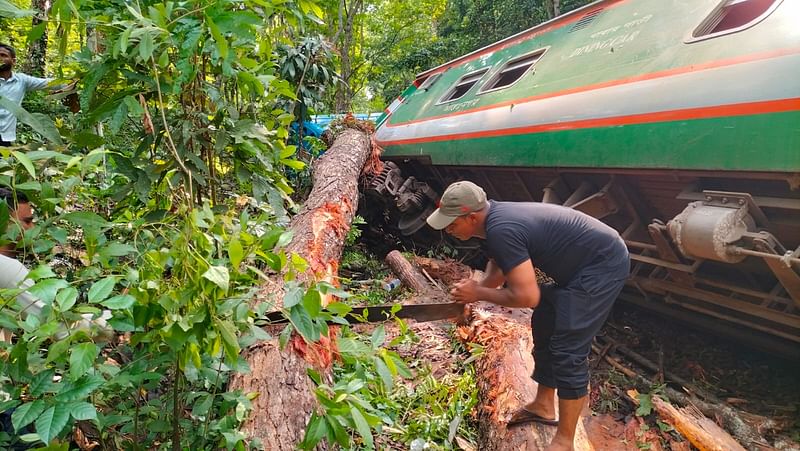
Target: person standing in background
14, 86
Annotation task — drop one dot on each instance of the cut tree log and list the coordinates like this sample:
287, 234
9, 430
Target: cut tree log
406, 272
286, 398
727, 416
504, 381
699, 430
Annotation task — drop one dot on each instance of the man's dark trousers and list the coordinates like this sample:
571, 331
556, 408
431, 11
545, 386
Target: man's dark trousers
565, 322
5, 143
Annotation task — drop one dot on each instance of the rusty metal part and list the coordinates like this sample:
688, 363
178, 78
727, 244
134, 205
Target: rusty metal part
706, 231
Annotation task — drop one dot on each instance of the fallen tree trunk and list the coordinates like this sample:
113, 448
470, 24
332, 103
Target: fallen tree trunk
699, 430
406, 272
504, 382
727, 416
286, 398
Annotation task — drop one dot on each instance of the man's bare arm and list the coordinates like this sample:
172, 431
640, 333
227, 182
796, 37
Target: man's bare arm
521, 289
493, 276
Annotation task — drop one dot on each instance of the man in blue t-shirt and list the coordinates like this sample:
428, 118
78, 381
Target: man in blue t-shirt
587, 260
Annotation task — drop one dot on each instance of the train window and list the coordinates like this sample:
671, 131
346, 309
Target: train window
463, 85
429, 81
512, 71
731, 16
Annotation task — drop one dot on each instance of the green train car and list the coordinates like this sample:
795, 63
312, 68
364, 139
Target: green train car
675, 121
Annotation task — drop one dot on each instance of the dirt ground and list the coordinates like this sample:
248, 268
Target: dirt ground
761, 386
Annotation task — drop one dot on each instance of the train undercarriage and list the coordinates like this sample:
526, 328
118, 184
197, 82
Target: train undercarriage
718, 250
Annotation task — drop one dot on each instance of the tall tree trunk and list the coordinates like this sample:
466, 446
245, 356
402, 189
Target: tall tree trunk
37, 49
553, 8
347, 14
285, 392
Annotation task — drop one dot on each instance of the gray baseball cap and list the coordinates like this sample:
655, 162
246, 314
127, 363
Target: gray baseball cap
459, 199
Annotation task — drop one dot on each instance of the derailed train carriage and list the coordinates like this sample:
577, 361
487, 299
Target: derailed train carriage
675, 121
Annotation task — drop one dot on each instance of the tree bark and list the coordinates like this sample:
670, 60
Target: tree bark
37, 49
347, 13
285, 393
407, 274
505, 385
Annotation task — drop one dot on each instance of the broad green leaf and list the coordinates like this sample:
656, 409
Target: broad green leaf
45, 290
229, 341
222, 43
9, 404
201, 408
42, 383
101, 289
338, 308
400, 366
52, 422
26, 413
29, 186
354, 348
81, 410
36, 32
41, 272
219, 276
115, 250
38, 122
8, 9
235, 253
146, 46
287, 152
284, 239
233, 440
163, 60
362, 427
645, 405
85, 219
383, 371
341, 434
316, 430
304, 324
25, 161
297, 165
378, 336
312, 302
66, 298
80, 389
122, 301
293, 296
285, 335
81, 359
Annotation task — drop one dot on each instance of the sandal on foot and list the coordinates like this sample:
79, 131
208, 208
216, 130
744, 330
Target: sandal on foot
524, 415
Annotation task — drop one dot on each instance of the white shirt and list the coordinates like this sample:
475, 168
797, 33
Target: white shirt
14, 89
14, 274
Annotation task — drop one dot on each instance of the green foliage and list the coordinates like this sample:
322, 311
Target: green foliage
355, 231
180, 289
356, 400
645, 404
180, 107
438, 409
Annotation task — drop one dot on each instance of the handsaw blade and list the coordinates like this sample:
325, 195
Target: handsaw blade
381, 313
